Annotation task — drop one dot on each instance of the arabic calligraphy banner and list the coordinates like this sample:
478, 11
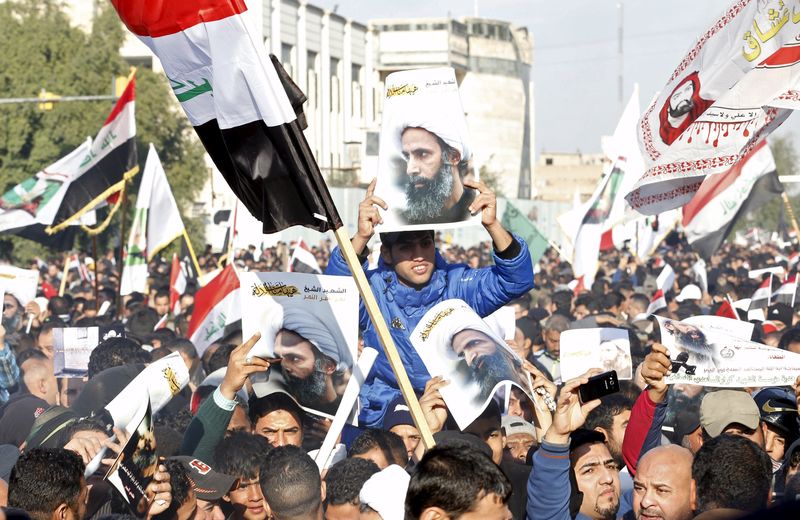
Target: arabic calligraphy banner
309, 332
720, 101
704, 352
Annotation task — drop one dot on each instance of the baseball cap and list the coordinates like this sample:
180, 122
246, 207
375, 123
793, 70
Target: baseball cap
207, 483
513, 424
397, 413
778, 409
723, 407
690, 292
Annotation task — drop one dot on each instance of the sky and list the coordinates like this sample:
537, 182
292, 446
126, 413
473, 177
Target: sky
576, 59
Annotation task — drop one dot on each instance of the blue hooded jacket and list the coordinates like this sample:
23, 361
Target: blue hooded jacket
485, 290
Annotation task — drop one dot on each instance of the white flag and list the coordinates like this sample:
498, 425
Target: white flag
156, 223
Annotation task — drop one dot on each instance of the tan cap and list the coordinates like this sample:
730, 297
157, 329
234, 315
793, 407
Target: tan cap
724, 407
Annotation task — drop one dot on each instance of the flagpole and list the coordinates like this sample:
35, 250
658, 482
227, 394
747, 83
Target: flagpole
191, 252
121, 264
64, 274
790, 212
385, 337
94, 256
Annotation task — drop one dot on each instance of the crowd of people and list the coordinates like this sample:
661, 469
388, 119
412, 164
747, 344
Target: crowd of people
651, 450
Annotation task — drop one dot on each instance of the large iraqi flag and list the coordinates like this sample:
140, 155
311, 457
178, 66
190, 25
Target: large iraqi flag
245, 108
722, 199
105, 167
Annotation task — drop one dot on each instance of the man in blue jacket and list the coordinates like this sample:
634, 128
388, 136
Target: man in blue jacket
412, 277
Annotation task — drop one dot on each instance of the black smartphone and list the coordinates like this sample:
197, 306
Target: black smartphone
599, 386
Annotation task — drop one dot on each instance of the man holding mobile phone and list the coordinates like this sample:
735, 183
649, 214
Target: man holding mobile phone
574, 474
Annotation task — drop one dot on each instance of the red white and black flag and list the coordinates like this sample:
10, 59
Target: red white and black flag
657, 302
245, 108
724, 198
303, 260
177, 285
787, 291
108, 163
762, 298
216, 305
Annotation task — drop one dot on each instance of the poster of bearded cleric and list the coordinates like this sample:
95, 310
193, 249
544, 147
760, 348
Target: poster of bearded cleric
309, 331
424, 153
702, 353
453, 342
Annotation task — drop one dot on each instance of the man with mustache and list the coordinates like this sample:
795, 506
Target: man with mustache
488, 363
315, 361
662, 487
433, 181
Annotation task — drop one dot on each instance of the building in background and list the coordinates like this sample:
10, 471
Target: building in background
560, 176
341, 65
492, 60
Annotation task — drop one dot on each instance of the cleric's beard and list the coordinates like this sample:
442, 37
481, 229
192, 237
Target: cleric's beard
307, 390
427, 203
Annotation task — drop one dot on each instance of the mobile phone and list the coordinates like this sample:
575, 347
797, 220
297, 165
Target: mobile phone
599, 386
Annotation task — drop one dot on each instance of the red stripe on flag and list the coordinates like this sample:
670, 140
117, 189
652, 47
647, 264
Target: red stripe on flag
210, 295
127, 96
713, 185
607, 240
162, 17
786, 55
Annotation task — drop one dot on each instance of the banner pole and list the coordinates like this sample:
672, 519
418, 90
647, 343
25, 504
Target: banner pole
122, 244
191, 252
790, 212
62, 289
385, 337
96, 261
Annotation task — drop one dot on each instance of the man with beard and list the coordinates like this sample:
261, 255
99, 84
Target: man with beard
611, 419
488, 363
691, 340
434, 177
592, 490
682, 107
412, 277
315, 361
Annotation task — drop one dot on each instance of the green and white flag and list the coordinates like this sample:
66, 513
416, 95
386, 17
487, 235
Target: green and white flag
36, 200
518, 223
156, 223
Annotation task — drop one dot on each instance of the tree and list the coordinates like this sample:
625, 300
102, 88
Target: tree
786, 163
41, 50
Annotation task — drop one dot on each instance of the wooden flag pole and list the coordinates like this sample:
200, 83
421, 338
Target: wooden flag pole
385, 337
191, 252
123, 241
790, 212
94, 255
64, 275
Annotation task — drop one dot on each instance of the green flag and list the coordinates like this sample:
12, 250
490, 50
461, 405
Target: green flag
518, 223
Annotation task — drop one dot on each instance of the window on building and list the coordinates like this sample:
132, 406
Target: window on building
439, 26
335, 86
311, 78
357, 100
287, 58
548, 161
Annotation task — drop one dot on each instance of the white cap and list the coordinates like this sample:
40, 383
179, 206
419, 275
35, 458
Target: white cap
385, 492
690, 292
